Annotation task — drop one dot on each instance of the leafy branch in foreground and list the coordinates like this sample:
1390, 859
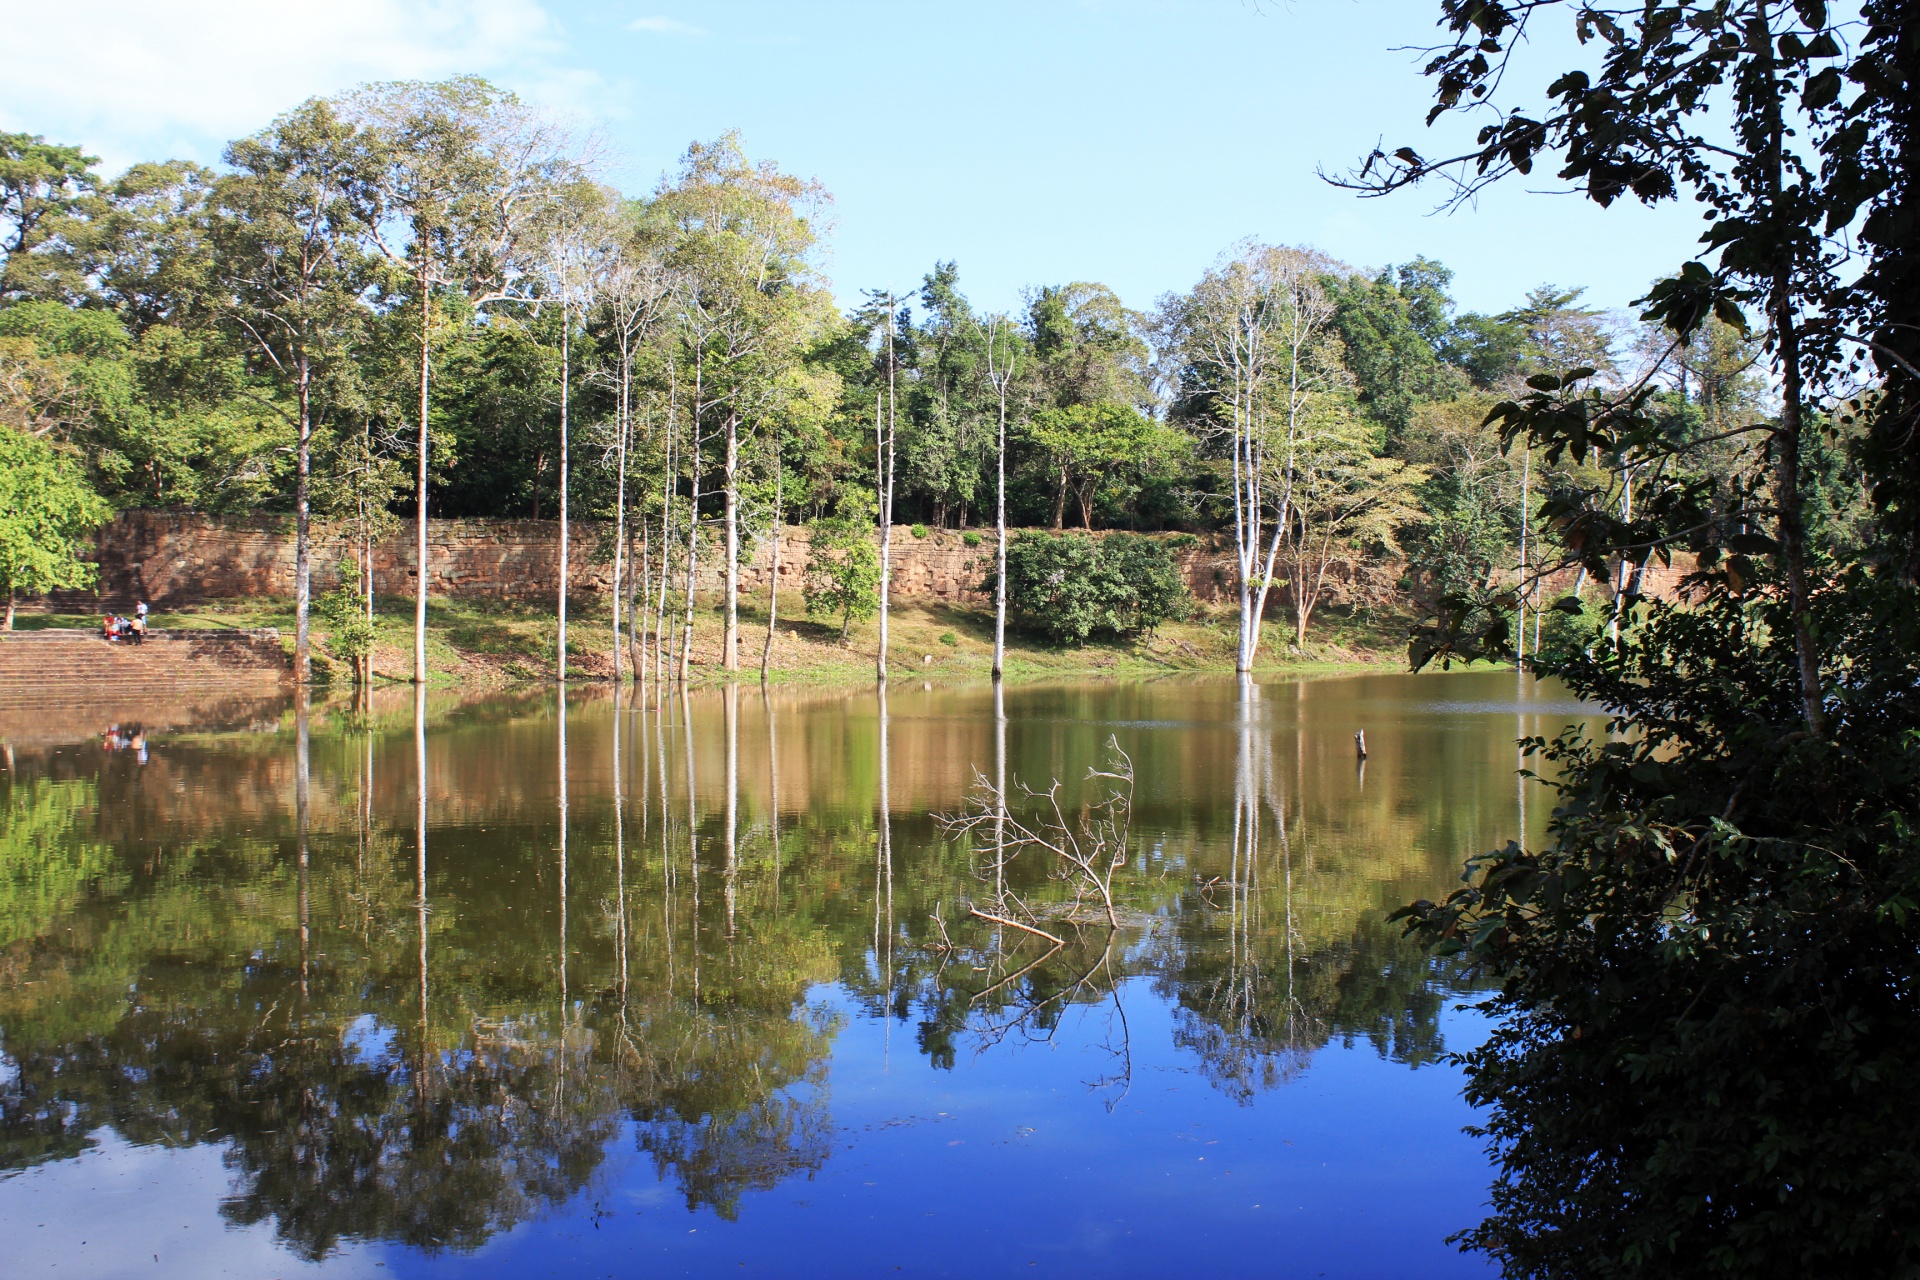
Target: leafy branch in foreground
1706, 1032
1705, 1025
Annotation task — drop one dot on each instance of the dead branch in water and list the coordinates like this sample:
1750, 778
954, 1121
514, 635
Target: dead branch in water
1015, 924
1086, 850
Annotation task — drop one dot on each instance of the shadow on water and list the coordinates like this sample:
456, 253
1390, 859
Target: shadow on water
422, 970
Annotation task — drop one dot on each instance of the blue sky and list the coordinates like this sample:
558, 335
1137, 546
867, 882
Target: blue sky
1126, 141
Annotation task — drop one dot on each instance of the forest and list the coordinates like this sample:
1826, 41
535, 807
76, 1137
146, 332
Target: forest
422, 295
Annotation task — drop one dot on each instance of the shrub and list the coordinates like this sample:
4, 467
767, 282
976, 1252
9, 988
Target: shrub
918, 531
970, 539
1152, 575
843, 570
1067, 588
950, 639
349, 633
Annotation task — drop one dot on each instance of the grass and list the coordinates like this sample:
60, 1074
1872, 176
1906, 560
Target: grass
477, 643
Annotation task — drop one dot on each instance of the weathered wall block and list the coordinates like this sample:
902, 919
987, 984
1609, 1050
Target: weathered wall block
171, 559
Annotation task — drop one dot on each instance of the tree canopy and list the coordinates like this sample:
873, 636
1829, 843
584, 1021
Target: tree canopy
367, 288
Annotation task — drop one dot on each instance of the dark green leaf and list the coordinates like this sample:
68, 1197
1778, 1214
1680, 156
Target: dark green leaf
1821, 90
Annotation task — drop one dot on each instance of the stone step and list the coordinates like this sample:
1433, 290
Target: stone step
62, 662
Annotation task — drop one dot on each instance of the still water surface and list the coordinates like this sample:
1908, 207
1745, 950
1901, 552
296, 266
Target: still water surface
696, 992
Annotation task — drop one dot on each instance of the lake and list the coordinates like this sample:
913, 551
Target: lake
699, 991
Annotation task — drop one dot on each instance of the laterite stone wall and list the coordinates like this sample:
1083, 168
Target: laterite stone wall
171, 559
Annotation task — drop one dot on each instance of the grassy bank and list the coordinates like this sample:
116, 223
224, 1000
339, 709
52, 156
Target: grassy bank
481, 643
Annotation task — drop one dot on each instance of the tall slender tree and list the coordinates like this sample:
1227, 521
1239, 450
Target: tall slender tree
637, 290
468, 174
581, 249
1252, 345
291, 269
1002, 366
744, 239
883, 464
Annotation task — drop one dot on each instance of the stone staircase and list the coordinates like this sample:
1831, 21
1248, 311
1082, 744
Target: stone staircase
56, 667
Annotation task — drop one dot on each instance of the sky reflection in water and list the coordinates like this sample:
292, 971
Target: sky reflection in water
717, 1023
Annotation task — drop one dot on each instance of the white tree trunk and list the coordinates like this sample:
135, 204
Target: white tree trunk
773, 575
560, 645
1000, 534
730, 656
303, 531
621, 428
420, 505
693, 558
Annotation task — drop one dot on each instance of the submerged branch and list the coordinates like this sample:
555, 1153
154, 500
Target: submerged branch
1015, 924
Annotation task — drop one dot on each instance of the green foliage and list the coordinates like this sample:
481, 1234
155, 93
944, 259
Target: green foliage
1099, 451
1388, 331
47, 512
1549, 332
1470, 520
1570, 625
43, 187
969, 539
1348, 505
169, 419
1488, 349
843, 568
1705, 1029
918, 531
949, 639
1068, 588
499, 442
1460, 546
947, 425
344, 613
1087, 347
1712, 955
66, 371
1158, 591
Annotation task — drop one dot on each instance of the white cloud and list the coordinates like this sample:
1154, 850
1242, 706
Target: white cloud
662, 26
115, 1209
183, 77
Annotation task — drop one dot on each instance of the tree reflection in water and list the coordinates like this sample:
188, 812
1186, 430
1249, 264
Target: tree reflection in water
389, 1046
1254, 994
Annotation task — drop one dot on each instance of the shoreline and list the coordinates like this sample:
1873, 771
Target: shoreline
481, 646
